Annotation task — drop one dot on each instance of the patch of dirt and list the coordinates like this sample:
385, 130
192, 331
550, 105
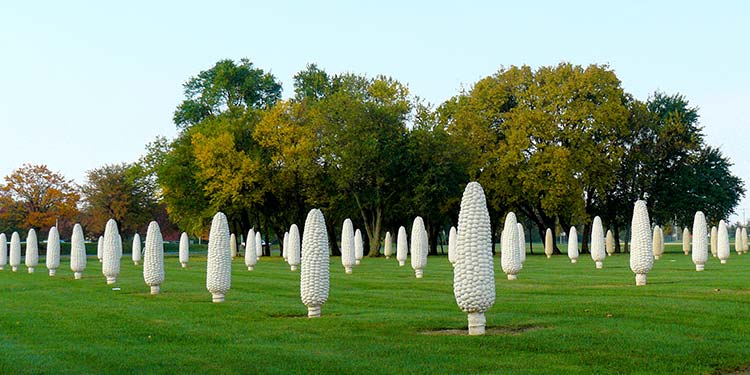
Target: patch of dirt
489, 331
287, 315
740, 371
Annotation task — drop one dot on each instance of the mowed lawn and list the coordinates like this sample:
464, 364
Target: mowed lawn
557, 317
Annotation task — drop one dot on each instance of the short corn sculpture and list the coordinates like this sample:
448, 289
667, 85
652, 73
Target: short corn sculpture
510, 258
219, 262
549, 244
452, 237
418, 247
348, 259
473, 274
738, 241
521, 243
284, 247
153, 258
714, 242
641, 251
573, 245
137, 251
3, 251
293, 251
597, 243
402, 248
722, 243
32, 251
314, 277
744, 240
658, 243
251, 256
111, 252
100, 248
359, 247
15, 251
258, 244
610, 243
184, 251
700, 243
686, 241
388, 247
52, 260
233, 245
77, 252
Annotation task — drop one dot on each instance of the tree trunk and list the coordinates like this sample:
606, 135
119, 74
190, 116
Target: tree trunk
617, 237
332, 243
585, 238
432, 233
372, 227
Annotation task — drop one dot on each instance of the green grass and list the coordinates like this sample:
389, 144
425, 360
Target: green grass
556, 318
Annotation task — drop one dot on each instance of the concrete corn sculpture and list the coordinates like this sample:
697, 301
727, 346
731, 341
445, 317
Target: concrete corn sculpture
658, 243
597, 243
686, 241
744, 240
452, 237
314, 278
388, 247
521, 243
219, 262
510, 258
549, 245
722, 243
3, 251
641, 250
251, 256
714, 241
153, 258
111, 252
402, 248
284, 247
293, 249
418, 247
348, 259
52, 260
573, 245
738, 241
77, 252
258, 245
233, 245
137, 251
100, 248
359, 247
32, 251
610, 243
15, 251
700, 243
184, 253
473, 273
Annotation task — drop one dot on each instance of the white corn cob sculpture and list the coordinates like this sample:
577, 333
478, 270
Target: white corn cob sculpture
314, 278
284, 247
686, 241
359, 247
258, 244
738, 241
137, 251
510, 258
111, 252
100, 248
610, 243
184, 253
251, 256
3, 251
723, 243
473, 273
597, 243
548, 243
77, 252
700, 245
15, 251
658, 243
293, 251
573, 245
418, 247
452, 238
348, 258
233, 245
219, 262
52, 260
744, 240
388, 247
714, 241
641, 251
32, 251
402, 248
153, 258
521, 243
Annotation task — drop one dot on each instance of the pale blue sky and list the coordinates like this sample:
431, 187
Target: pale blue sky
84, 84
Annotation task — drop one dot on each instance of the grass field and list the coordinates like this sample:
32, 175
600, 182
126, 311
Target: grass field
557, 317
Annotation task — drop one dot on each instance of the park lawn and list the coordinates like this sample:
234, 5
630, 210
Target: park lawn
557, 317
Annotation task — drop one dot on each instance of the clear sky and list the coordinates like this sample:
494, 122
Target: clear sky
83, 84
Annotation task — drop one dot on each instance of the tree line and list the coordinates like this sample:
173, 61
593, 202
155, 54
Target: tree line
559, 145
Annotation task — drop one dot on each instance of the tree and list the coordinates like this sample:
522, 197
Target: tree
35, 197
117, 191
226, 87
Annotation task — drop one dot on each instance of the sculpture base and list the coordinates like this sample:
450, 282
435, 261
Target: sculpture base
700, 267
294, 268
549, 256
135, 262
52, 272
313, 311
183, 264
657, 257
512, 277
419, 273
574, 260
31, 269
78, 275
348, 270
250, 268
599, 265
111, 280
640, 279
387, 257
217, 297
723, 261
155, 289
14, 268
401, 263
357, 262
477, 323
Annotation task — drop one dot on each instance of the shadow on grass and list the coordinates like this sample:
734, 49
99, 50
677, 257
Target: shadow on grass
490, 331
